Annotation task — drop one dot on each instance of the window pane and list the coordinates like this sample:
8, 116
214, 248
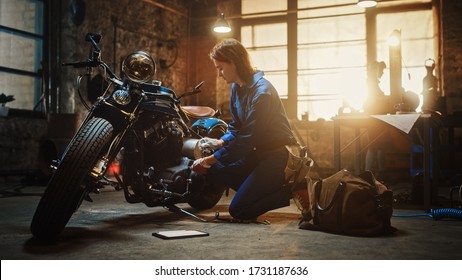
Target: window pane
416, 28
417, 45
19, 52
331, 64
279, 81
24, 15
269, 59
323, 8
23, 89
268, 52
316, 108
332, 56
334, 29
247, 36
263, 35
333, 85
260, 6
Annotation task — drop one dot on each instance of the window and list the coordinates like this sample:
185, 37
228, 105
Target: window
268, 52
417, 45
332, 49
21, 47
262, 6
331, 56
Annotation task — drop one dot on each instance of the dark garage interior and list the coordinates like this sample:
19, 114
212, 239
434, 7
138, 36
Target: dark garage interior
322, 57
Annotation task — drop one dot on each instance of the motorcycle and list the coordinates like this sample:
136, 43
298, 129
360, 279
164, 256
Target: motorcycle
141, 124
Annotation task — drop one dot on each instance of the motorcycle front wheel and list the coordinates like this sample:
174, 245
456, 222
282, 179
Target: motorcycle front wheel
65, 192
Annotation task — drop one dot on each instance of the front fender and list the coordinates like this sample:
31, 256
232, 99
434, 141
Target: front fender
113, 115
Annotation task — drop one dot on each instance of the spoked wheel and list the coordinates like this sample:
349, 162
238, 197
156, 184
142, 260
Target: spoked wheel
65, 192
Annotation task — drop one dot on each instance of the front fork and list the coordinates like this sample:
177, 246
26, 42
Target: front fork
103, 163
97, 180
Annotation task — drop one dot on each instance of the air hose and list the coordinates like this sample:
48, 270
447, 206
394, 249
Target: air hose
450, 213
437, 214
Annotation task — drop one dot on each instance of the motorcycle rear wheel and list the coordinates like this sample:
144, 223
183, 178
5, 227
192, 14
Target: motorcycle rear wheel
65, 192
211, 194
207, 198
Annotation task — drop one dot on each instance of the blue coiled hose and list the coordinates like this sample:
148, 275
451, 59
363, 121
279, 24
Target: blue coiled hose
450, 213
437, 214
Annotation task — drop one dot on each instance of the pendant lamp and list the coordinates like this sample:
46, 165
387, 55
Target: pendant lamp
367, 3
221, 25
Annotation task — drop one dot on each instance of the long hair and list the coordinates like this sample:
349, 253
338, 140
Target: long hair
232, 51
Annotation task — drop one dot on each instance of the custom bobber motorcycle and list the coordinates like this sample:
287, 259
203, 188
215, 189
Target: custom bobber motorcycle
143, 125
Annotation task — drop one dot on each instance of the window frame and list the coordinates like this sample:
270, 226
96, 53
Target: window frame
39, 58
291, 18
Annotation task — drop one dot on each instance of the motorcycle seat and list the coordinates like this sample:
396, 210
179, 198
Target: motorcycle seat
198, 111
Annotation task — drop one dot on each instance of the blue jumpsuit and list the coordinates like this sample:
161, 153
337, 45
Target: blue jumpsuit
253, 159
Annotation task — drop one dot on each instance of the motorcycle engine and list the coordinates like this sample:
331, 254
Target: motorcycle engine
176, 179
163, 143
160, 153
169, 166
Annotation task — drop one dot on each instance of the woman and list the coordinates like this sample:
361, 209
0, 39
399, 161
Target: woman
251, 157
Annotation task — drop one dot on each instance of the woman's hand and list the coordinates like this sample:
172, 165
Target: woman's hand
202, 165
213, 144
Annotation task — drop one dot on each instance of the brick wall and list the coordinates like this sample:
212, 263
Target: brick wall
126, 27
19, 142
452, 54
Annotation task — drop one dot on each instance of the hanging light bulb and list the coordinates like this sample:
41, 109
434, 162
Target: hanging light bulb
221, 26
367, 3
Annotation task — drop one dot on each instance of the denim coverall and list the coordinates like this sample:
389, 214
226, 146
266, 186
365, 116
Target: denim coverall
253, 158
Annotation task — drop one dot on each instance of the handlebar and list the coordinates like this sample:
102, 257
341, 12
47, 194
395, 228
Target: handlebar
196, 90
95, 57
89, 63
94, 39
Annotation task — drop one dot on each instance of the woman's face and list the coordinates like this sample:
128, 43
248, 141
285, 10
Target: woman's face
227, 71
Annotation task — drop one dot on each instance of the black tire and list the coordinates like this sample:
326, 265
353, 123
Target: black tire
206, 199
65, 192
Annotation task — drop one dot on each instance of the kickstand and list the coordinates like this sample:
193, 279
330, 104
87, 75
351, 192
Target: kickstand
175, 208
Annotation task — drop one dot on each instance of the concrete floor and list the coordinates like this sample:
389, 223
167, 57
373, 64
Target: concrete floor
110, 228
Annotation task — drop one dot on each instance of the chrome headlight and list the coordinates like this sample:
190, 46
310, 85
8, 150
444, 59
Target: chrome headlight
139, 67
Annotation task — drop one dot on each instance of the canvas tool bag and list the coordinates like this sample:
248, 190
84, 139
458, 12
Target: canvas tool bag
298, 166
352, 205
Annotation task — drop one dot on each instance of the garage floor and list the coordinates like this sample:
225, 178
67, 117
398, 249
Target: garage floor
110, 228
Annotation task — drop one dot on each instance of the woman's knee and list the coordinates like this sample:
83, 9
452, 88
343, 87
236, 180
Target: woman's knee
240, 213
